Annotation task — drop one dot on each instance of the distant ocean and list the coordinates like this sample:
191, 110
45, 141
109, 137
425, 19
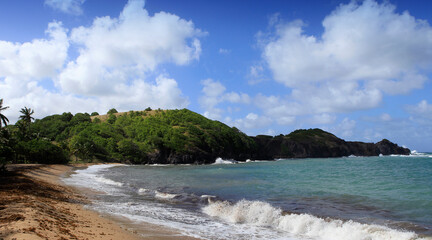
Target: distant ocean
387, 197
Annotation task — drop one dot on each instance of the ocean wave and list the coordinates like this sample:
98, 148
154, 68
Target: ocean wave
108, 181
224, 161
257, 213
162, 195
92, 174
144, 190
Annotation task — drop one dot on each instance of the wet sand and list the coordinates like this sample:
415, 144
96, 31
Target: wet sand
35, 204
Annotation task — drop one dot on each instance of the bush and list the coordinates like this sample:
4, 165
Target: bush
112, 111
40, 151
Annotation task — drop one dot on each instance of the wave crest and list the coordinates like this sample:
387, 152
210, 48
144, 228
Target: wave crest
263, 214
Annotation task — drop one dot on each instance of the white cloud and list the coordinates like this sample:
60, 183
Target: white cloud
385, 117
367, 49
214, 94
24, 65
270, 132
113, 49
256, 74
286, 120
36, 59
346, 127
251, 121
423, 110
116, 57
322, 119
234, 97
164, 93
224, 51
67, 6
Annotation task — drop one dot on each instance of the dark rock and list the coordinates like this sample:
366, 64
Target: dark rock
386, 148
316, 143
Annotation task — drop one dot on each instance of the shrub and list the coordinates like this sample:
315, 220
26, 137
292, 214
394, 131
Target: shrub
112, 111
40, 151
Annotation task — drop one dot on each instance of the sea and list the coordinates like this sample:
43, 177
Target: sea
359, 198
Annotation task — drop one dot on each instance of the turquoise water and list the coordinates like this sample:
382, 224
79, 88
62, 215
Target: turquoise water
333, 198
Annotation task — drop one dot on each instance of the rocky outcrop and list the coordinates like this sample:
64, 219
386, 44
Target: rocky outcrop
386, 148
316, 143
312, 143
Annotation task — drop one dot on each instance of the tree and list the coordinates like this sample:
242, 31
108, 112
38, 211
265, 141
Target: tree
112, 110
26, 117
24, 123
5, 150
3, 118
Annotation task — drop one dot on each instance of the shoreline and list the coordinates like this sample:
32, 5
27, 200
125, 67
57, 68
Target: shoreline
36, 204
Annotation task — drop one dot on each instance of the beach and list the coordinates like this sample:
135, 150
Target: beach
361, 198
36, 204
354, 198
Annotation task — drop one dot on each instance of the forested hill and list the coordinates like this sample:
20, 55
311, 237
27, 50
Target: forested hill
167, 136
139, 137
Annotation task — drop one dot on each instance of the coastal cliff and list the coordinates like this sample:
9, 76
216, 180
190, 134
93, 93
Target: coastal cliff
170, 137
316, 143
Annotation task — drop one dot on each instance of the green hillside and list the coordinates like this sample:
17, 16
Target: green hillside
162, 136
152, 136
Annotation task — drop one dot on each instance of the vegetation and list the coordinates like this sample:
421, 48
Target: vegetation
311, 135
112, 110
5, 150
133, 137
158, 136
3, 118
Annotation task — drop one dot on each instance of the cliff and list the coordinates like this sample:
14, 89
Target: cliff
316, 143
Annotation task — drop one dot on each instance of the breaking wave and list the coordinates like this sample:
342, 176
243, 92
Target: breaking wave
224, 161
162, 195
263, 214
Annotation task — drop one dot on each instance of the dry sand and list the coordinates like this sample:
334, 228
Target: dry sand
35, 204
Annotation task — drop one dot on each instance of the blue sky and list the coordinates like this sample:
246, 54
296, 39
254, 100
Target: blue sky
359, 69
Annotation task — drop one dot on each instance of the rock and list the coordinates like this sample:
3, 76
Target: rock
386, 148
316, 143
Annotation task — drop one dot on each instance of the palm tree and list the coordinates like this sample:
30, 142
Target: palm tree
26, 117
3, 118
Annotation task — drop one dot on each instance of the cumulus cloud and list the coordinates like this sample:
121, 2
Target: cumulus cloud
322, 119
214, 93
421, 110
251, 121
24, 65
367, 49
67, 6
36, 59
118, 59
113, 49
346, 127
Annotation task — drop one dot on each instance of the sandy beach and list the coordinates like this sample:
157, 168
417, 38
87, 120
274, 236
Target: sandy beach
35, 204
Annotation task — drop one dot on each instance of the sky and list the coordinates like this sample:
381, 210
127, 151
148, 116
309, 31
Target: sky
361, 70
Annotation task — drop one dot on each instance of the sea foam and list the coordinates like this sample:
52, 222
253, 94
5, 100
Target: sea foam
224, 161
257, 213
91, 178
162, 195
